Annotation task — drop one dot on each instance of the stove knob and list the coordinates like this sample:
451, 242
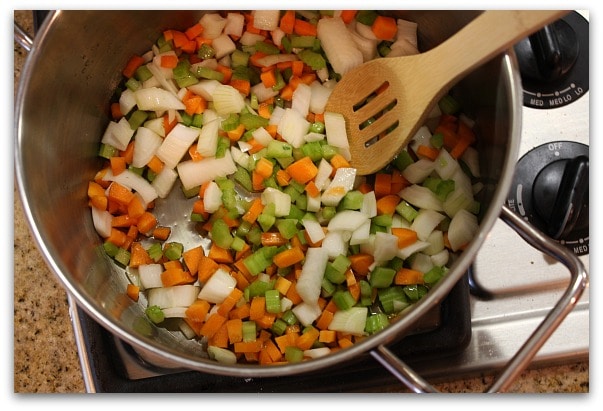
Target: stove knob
550, 190
549, 54
559, 193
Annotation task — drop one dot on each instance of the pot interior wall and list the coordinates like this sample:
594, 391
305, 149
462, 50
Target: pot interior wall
63, 111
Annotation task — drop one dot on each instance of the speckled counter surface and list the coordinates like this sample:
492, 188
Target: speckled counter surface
45, 353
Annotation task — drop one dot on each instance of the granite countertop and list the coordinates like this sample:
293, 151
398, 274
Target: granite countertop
45, 353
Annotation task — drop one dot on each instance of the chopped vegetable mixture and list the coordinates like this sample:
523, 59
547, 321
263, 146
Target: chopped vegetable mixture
305, 257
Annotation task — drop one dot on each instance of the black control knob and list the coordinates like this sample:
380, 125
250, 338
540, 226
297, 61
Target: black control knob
550, 190
553, 63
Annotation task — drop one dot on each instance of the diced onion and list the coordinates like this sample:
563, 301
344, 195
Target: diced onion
293, 127
212, 197
145, 146
175, 296
221, 355
195, 173
150, 275
421, 197
266, 19
227, 100
164, 181
176, 144
213, 24
385, 247
425, 222
313, 230
462, 229
218, 287
281, 201
157, 99
208, 139
352, 320
347, 220
306, 313
338, 45
336, 131
309, 283
102, 221
118, 134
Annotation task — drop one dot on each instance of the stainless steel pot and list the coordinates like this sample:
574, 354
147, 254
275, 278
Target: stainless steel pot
62, 110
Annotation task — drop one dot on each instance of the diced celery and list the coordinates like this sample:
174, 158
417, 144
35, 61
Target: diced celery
143, 73
243, 177
133, 84
122, 257
327, 288
449, 105
328, 151
403, 160
273, 301
287, 227
289, 317
173, 250
333, 274
341, 263
110, 248
239, 58
393, 299
206, 51
407, 211
343, 299
366, 17
293, 354
376, 322
382, 277
313, 150
352, 200
249, 331
267, 48
155, 251
209, 74
155, 314
383, 220
312, 59
220, 234
107, 151
437, 140
231, 122
302, 41
279, 327
252, 121
434, 275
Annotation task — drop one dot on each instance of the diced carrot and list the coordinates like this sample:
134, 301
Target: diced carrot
226, 71
264, 167
407, 276
406, 236
169, 125
99, 202
243, 86
265, 321
117, 237
116, 113
304, 28
387, 204
428, 152
268, 78
322, 323
234, 327
305, 341
120, 193
168, 61
288, 257
284, 341
133, 291
135, 208
194, 31
220, 338
345, 342
254, 210
248, 346
155, 164
338, 161
384, 27
273, 238
272, 350
348, 15
212, 325
293, 295
383, 184
206, 268
312, 190
365, 188
132, 65
242, 311
287, 22
167, 35
128, 153
191, 258
257, 181
287, 92
297, 68
230, 301
282, 178
123, 220
327, 336
146, 222
466, 137
255, 58
282, 285
138, 255
198, 310
237, 133
398, 182
195, 105
220, 255
361, 263
265, 110
176, 276
302, 170
258, 308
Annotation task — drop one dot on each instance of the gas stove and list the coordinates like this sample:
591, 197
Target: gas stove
492, 311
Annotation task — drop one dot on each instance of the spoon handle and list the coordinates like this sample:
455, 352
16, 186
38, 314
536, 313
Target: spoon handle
487, 35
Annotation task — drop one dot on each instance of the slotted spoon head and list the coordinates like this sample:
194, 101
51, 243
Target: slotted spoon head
381, 113
384, 101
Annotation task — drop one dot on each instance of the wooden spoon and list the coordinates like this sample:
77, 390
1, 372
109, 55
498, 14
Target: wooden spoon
409, 86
